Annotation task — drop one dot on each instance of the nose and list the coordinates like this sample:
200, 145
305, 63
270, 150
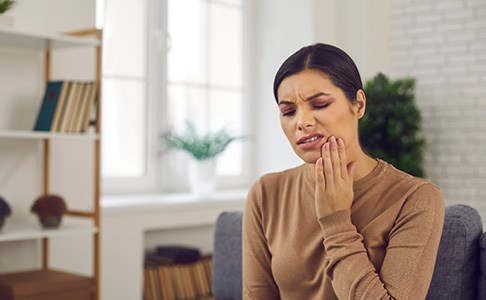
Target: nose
305, 120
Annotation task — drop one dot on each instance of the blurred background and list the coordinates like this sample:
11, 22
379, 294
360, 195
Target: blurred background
212, 62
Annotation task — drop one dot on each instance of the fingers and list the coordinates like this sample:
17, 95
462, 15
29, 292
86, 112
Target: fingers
342, 158
336, 164
319, 172
328, 169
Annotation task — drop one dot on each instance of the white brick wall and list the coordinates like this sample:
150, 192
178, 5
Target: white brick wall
442, 43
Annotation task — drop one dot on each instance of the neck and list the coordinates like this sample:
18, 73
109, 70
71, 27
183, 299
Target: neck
365, 165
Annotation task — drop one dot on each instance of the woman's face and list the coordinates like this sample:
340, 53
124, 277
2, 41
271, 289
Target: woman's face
312, 109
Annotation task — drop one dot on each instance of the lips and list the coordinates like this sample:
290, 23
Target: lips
310, 141
309, 138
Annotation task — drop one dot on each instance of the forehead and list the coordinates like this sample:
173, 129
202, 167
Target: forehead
305, 83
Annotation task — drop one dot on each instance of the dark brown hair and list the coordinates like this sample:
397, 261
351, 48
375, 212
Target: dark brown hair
330, 60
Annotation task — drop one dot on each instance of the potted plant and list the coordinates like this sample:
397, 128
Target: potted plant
203, 149
391, 127
50, 209
6, 5
5, 211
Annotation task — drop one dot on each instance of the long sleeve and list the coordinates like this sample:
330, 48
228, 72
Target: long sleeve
258, 282
410, 256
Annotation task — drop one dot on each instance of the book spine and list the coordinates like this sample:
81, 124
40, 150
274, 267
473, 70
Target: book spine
48, 106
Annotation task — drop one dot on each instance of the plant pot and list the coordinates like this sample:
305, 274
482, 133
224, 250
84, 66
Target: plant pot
202, 177
50, 220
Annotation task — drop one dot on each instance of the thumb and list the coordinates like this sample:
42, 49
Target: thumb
352, 169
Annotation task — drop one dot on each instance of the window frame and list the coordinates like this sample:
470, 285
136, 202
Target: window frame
156, 180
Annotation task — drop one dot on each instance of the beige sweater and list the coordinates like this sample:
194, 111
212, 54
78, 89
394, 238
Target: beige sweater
384, 248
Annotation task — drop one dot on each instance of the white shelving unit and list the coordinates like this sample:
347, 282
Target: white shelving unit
22, 233
81, 222
39, 135
42, 41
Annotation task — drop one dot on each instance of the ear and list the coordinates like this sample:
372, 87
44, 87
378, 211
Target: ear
360, 105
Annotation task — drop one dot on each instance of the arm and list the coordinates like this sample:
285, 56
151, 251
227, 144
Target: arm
410, 256
258, 280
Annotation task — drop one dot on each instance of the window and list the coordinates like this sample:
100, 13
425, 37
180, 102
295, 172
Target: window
152, 83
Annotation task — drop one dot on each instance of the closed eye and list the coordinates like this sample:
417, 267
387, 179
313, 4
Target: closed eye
321, 106
288, 113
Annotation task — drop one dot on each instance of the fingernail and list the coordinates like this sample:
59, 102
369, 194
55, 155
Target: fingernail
333, 140
326, 146
340, 142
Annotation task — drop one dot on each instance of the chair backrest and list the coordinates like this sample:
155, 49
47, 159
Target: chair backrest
456, 270
455, 275
227, 271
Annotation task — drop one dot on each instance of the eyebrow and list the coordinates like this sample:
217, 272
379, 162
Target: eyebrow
306, 99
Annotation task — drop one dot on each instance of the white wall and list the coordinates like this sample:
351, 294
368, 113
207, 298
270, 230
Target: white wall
281, 28
361, 28
442, 43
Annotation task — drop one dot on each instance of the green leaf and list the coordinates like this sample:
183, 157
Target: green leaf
391, 127
203, 147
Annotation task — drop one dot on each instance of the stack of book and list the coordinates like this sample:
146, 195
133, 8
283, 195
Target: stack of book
67, 106
166, 280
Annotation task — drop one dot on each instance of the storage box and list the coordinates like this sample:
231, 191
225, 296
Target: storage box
45, 285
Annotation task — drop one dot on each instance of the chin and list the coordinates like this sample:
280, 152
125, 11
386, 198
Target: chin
309, 157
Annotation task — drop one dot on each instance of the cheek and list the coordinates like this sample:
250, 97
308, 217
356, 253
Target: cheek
286, 125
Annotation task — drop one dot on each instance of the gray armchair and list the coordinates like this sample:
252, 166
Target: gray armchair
460, 271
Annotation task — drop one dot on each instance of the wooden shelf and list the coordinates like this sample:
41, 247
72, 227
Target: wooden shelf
42, 135
76, 222
25, 232
42, 41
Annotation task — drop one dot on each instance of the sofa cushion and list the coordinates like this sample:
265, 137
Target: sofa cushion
227, 270
456, 269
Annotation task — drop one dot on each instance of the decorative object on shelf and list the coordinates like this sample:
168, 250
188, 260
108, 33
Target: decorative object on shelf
5, 211
391, 127
203, 149
50, 209
6, 5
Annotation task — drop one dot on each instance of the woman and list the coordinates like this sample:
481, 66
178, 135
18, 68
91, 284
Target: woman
343, 225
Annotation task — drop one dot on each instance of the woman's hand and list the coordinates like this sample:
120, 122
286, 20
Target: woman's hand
334, 179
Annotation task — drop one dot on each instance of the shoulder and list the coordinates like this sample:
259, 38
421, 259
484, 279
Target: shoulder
411, 184
282, 177
411, 192
274, 182
420, 194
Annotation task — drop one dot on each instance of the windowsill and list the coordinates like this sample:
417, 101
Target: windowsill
130, 204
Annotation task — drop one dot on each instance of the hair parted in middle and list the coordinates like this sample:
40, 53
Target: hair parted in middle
330, 60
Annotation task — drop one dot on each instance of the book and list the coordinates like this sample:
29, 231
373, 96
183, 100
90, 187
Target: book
49, 106
76, 112
70, 103
176, 254
83, 106
66, 85
74, 107
90, 109
178, 281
